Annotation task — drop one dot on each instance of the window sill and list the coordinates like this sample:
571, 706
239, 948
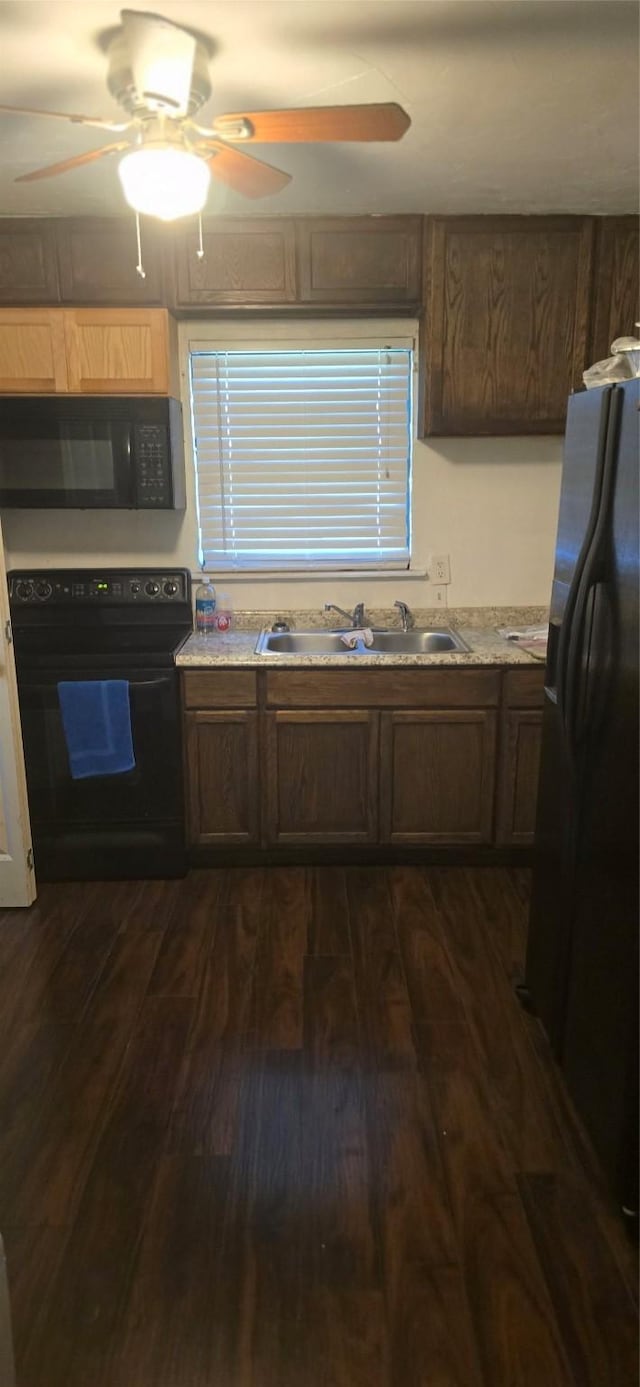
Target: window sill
312, 575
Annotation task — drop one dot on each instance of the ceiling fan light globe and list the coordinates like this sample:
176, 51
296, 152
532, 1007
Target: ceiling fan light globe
164, 182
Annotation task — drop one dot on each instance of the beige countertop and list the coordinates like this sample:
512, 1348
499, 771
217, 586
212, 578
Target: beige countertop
478, 627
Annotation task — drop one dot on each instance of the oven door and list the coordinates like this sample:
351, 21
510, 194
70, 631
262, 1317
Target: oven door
59, 459
151, 791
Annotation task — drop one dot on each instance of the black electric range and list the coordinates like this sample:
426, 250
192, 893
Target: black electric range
86, 624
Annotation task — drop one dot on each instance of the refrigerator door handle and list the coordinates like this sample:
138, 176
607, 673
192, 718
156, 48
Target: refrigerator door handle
592, 704
564, 647
590, 571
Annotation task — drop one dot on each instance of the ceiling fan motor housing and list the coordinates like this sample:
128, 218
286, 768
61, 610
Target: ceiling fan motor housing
122, 85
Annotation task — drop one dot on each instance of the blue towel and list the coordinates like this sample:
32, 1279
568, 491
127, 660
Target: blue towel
96, 718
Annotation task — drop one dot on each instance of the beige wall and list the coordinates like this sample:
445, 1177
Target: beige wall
491, 504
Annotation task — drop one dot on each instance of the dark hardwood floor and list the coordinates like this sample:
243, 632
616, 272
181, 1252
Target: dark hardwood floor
289, 1128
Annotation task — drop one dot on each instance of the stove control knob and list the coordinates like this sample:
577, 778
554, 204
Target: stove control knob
24, 590
170, 588
152, 588
43, 589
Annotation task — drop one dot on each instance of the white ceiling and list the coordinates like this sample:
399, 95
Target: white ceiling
516, 105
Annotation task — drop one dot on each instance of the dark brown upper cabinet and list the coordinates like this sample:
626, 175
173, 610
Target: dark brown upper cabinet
359, 260
28, 267
506, 318
97, 258
616, 289
245, 262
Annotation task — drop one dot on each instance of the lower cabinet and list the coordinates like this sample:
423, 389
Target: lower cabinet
437, 776
519, 768
222, 777
402, 758
322, 776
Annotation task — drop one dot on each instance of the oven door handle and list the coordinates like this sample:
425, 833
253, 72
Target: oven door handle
149, 683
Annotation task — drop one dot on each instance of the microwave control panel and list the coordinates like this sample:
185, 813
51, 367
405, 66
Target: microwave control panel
153, 477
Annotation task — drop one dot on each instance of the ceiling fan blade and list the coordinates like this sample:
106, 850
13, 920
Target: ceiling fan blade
243, 172
384, 121
162, 56
89, 158
63, 115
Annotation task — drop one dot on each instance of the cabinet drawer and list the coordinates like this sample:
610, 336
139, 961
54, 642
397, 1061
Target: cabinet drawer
383, 688
220, 688
524, 688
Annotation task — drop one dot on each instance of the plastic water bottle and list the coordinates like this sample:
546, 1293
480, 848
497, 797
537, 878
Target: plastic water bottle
205, 607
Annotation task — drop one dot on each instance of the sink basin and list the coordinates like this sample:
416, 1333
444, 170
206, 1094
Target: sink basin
418, 642
384, 643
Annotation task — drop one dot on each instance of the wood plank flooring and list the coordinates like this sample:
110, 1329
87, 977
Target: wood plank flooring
289, 1128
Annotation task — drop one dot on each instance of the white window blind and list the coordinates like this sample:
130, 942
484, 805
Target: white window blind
303, 456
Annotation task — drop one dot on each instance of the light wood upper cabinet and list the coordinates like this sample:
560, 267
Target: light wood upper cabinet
117, 350
506, 317
88, 351
32, 351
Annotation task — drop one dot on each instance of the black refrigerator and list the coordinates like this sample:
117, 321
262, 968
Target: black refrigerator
582, 959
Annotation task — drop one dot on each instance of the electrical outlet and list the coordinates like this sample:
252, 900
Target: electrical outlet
440, 568
439, 594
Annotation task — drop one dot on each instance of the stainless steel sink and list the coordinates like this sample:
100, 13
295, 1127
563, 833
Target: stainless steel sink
384, 643
418, 642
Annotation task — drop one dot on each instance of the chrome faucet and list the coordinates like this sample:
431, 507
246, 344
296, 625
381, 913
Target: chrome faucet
406, 615
356, 618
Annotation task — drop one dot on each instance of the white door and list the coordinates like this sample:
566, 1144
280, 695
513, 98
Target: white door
17, 881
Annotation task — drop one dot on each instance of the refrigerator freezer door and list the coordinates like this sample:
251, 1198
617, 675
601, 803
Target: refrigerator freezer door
550, 920
599, 1044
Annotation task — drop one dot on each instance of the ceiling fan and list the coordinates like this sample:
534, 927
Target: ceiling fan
159, 73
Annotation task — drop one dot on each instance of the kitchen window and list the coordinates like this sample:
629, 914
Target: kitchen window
302, 450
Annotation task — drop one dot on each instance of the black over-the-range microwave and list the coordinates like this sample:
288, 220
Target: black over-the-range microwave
93, 452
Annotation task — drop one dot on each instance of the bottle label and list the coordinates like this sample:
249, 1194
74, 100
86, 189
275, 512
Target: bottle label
205, 614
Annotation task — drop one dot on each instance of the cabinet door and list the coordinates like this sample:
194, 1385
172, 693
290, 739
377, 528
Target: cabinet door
97, 257
28, 270
360, 259
519, 769
244, 262
117, 350
222, 776
322, 776
616, 309
505, 333
32, 351
437, 776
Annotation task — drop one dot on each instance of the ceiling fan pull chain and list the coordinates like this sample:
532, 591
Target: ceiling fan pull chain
139, 267
200, 250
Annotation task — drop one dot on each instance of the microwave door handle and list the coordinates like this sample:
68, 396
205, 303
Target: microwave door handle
130, 482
